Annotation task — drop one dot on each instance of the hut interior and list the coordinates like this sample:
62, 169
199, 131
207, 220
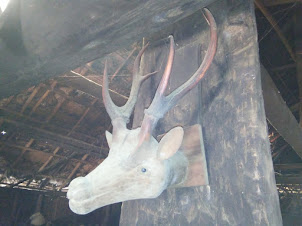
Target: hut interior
54, 131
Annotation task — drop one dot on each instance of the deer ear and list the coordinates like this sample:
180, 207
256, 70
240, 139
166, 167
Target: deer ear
170, 143
108, 138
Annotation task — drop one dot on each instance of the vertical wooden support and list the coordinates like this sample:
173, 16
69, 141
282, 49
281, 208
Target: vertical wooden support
298, 35
39, 203
242, 188
1, 121
43, 97
15, 206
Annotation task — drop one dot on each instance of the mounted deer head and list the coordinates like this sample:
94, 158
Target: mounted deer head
139, 167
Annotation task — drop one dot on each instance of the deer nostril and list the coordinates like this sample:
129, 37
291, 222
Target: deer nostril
144, 170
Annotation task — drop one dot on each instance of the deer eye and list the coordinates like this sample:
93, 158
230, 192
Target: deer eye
144, 170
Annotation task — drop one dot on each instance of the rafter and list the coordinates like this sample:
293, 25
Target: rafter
53, 84
279, 115
286, 179
15, 116
82, 117
27, 145
274, 24
49, 159
31, 96
63, 141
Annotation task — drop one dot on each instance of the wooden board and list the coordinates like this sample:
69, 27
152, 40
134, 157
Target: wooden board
193, 148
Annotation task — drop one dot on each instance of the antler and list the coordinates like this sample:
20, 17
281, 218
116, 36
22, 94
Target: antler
161, 104
124, 112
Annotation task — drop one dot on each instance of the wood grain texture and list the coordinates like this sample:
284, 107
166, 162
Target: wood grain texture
279, 115
242, 188
41, 39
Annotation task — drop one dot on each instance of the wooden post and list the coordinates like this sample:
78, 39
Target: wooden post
242, 188
298, 34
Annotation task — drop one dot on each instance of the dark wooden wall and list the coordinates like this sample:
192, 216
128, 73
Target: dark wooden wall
16, 207
229, 105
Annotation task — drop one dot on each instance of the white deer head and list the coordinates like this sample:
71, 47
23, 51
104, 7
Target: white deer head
138, 166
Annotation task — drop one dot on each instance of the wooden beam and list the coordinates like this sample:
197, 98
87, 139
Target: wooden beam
73, 172
87, 84
295, 107
289, 166
63, 141
298, 42
289, 179
278, 2
278, 153
55, 110
31, 96
76, 32
274, 24
279, 115
53, 84
51, 192
9, 144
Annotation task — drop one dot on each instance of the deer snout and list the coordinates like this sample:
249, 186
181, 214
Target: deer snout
79, 189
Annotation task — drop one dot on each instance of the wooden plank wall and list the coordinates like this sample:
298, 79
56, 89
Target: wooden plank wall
229, 105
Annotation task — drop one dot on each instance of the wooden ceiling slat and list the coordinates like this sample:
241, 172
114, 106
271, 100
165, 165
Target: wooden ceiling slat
60, 140
43, 97
55, 110
289, 179
31, 96
82, 117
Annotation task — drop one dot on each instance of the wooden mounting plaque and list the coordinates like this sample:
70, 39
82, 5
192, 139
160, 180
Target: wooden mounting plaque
193, 148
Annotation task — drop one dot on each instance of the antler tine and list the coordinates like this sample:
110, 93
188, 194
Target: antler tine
177, 94
138, 78
124, 112
111, 108
161, 104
